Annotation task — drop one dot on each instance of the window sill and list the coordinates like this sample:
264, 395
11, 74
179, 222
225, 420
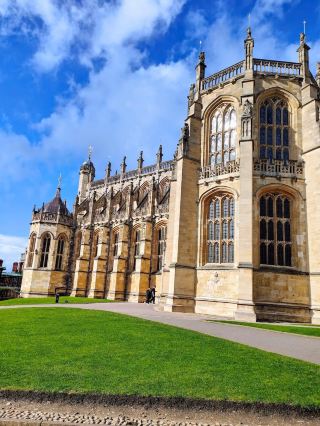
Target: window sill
217, 266
280, 269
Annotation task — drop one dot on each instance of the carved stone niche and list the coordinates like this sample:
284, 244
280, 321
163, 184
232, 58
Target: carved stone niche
246, 120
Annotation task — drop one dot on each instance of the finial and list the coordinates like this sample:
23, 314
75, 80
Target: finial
90, 149
59, 181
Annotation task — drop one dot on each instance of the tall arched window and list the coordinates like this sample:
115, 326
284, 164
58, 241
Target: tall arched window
45, 248
161, 249
116, 244
275, 230
60, 252
95, 245
32, 246
274, 130
137, 242
223, 136
220, 229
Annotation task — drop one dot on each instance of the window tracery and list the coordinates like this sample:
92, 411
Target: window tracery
31, 250
223, 136
274, 129
45, 248
137, 242
162, 236
60, 252
275, 230
220, 229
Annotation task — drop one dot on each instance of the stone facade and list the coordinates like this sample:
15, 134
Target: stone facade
228, 227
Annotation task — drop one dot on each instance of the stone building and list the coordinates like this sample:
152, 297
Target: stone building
228, 227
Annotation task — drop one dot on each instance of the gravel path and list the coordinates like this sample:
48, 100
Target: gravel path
24, 412
304, 348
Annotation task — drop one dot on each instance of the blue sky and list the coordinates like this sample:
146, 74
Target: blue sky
114, 75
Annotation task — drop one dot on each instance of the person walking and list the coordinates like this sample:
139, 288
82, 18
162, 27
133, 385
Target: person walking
148, 295
57, 297
153, 295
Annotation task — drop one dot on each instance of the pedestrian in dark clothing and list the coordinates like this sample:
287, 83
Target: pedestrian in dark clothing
148, 295
57, 297
153, 295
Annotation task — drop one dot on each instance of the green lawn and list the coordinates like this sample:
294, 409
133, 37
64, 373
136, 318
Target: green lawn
305, 330
75, 350
48, 300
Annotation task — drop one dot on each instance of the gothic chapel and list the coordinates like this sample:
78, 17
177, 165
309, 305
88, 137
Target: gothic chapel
230, 226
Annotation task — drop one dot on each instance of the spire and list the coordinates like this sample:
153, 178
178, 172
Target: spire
248, 47
58, 191
90, 149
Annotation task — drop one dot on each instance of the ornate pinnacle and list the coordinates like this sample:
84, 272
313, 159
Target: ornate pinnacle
109, 169
159, 155
140, 160
123, 165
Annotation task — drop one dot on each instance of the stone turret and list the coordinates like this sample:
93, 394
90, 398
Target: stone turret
46, 269
86, 176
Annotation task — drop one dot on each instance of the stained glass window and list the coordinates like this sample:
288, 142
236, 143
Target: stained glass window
274, 130
275, 230
220, 230
223, 136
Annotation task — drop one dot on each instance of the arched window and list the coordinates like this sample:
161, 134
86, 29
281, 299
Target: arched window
137, 242
116, 244
45, 248
95, 245
223, 136
274, 130
275, 230
32, 246
60, 252
220, 229
162, 236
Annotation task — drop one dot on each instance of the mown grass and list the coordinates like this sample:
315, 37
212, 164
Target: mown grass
50, 300
305, 330
75, 350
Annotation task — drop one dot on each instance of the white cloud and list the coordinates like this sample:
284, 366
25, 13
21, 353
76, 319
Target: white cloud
84, 29
11, 248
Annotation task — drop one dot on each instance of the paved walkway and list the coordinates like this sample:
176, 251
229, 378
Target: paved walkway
301, 347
